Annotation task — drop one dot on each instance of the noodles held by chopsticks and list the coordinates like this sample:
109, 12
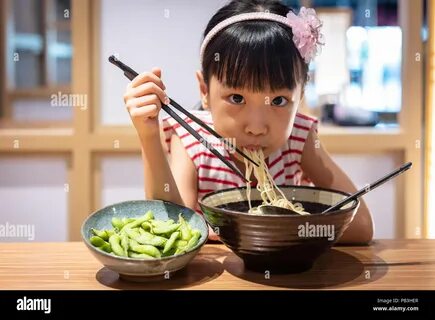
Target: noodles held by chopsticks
266, 186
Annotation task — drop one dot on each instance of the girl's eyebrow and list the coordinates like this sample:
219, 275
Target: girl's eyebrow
282, 92
232, 89
277, 93
226, 86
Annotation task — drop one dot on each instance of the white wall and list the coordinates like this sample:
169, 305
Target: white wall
364, 169
121, 179
33, 193
150, 33
40, 110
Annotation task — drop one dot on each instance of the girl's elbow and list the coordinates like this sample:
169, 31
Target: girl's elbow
367, 230
358, 234
365, 237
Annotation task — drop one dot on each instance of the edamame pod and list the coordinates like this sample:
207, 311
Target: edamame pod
179, 251
180, 244
169, 253
109, 233
145, 248
170, 243
127, 220
166, 229
145, 237
147, 226
138, 221
149, 214
117, 223
124, 242
158, 223
101, 233
139, 255
148, 238
184, 228
131, 233
97, 241
106, 247
196, 234
115, 243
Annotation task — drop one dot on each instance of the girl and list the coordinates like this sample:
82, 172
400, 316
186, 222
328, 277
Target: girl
254, 60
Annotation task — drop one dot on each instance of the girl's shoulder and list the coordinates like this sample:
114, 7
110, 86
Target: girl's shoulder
302, 126
171, 127
194, 148
305, 123
292, 155
169, 123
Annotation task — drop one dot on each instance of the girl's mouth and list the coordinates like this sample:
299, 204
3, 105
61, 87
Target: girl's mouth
253, 147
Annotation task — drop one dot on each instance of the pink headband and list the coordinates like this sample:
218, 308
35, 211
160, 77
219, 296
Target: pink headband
305, 26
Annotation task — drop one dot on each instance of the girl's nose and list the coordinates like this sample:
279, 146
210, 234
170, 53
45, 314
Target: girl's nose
256, 124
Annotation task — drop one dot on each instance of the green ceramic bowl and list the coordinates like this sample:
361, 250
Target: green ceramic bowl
139, 269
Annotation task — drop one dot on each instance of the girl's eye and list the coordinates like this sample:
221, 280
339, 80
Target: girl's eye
279, 101
236, 99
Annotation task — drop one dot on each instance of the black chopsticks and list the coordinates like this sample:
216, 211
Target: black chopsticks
131, 74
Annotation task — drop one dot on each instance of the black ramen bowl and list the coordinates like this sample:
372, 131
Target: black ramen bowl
278, 243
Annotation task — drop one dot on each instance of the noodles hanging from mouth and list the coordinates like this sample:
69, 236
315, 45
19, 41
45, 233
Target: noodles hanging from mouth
266, 186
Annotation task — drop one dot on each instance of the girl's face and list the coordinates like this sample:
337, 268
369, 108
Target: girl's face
254, 119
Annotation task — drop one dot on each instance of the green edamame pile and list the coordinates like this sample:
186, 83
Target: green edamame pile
146, 238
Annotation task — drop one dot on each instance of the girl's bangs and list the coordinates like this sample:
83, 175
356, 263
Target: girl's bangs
254, 56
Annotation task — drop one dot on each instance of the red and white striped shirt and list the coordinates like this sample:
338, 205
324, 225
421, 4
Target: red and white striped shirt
284, 164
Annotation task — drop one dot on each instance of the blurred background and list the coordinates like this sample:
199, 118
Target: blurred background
67, 146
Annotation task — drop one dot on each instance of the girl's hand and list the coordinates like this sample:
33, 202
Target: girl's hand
143, 100
212, 235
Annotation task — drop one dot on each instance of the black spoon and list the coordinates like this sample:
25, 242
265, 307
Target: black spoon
269, 209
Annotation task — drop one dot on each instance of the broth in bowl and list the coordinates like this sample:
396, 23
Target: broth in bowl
243, 206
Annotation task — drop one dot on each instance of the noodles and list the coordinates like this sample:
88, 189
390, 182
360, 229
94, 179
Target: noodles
266, 186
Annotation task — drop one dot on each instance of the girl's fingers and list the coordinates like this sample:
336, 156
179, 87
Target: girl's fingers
127, 94
146, 89
157, 72
150, 111
149, 77
144, 101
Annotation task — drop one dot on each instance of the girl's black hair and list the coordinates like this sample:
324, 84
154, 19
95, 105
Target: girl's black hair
255, 55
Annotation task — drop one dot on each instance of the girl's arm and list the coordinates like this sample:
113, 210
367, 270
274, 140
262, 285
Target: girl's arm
143, 99
324, 172
185, 176
159, 180
173, 180
184, 173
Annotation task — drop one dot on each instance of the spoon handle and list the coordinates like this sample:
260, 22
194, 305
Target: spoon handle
369, 187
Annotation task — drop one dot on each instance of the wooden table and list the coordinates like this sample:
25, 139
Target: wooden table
385, 265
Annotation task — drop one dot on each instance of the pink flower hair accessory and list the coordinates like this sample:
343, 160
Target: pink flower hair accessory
306, 32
